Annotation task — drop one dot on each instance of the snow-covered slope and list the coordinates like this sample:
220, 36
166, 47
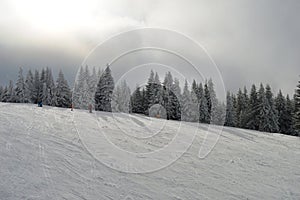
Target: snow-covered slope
53, 153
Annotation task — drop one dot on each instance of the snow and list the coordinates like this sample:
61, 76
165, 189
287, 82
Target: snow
53, 153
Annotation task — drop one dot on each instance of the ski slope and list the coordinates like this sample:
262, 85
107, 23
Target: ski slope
53, 153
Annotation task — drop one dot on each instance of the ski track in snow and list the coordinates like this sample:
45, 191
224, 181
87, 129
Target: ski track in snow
43, 156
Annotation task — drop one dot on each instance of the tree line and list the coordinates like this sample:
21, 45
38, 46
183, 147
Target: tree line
38, 87
257, 110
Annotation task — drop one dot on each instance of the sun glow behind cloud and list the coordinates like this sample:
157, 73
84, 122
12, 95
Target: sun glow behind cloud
56, 16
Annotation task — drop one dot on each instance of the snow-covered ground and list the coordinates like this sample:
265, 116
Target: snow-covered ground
53, 153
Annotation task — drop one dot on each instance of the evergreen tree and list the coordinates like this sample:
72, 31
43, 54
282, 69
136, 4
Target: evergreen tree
280, 104
11, 92
297, 108
170, 100
62, 92
204, 116
5, 96
104, 91
41, 85
29, 88
208, 100
273, 112
121, 98
36, 91
267, 121
214, 102
137, 101
241, 109
288, 128
176, 99
20, 88
1, 92
189, 108
253, 110
49, 93
149, 92
229, 111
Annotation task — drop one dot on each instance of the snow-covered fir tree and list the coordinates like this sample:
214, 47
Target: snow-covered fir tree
280, 104
49, 93
273, 112
297, 108
241, 109
229, 111
104, 91
137, 101
36, 83
20, 88
204, 116
252, 116
11, 92
1, 92
153, 91
287, 127
29, 87
5, 96
62, 92
189, 111
121, 98
170, 100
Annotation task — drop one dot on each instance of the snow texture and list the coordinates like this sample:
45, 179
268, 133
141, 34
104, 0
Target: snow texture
53, 153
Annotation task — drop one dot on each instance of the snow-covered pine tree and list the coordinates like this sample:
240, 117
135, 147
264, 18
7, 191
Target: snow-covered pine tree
78, 90
1, 92
41, 85
280, 105
104, 91
267, 120
11, 92
220, 116
253, 110
234, 104
229, 121
264, 108
167, 92
137, 101
144, 101
288, 116
208, 100
196, 89
20, 88
36, 85
204, 116
178, 97
121, 98
186, 105
49, 95
194, 106
213, 101
93, 84
273, 112
29, 87
297, 108
150, 92
5, 95
62, 92
241, 109
157, 90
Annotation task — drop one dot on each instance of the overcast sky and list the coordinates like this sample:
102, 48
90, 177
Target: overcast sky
250, 41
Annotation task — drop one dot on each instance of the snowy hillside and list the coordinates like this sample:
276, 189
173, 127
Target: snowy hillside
53, 153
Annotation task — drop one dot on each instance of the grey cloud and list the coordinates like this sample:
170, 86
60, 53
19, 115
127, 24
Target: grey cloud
251, 41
